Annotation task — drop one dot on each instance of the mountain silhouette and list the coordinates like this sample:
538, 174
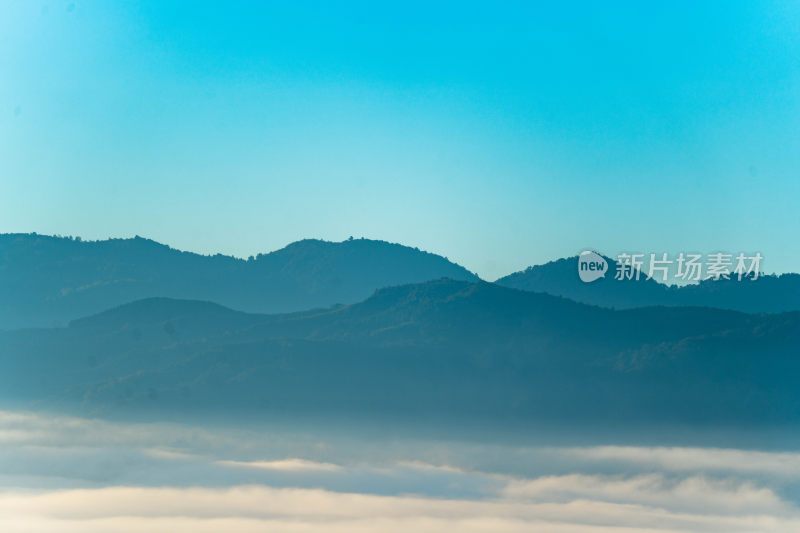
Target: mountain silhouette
46, 281
767, 294
444, 350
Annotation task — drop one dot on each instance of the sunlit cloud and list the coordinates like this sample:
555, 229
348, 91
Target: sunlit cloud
171, 454
258, 508
428, 467
694, 459
285, 465
696, 493
70, 474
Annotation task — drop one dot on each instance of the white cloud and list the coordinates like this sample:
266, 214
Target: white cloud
284, 465
171, 454
428, 467
258, 508
695, 493
694, 459
271, 481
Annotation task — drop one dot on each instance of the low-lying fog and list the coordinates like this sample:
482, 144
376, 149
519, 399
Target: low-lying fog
61, 473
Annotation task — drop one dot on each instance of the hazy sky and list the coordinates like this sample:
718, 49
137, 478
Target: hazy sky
499, 135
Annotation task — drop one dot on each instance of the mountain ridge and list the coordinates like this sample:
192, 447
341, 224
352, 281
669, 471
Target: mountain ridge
52, 280
47, 280
768, 293
445, 349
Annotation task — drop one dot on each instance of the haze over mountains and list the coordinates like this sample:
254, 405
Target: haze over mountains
445, 350
48, 281
417, 335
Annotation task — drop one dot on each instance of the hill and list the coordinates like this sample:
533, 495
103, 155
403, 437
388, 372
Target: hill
443, 350
47, 281
767, 294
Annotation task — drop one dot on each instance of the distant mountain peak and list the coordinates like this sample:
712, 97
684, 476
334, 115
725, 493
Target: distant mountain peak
560, 277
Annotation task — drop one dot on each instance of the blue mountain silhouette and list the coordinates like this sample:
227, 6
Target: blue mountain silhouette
767, 294
444, 350
50, 280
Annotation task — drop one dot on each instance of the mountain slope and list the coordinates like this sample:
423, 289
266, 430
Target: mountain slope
444, 349
48, 281
767, 294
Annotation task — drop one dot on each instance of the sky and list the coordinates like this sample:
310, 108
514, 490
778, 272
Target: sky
499, 135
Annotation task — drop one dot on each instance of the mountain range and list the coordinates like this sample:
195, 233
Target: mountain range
766, 294
49, 281
443, 350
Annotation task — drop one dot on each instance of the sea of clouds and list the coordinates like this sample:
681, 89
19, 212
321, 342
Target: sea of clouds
61, 473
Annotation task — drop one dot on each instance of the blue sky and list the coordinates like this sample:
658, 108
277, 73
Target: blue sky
498, 135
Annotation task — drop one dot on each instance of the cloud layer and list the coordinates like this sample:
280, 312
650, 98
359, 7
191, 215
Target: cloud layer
571, 503
63, 474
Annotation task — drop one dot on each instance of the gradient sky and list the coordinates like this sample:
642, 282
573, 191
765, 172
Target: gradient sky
498, 135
